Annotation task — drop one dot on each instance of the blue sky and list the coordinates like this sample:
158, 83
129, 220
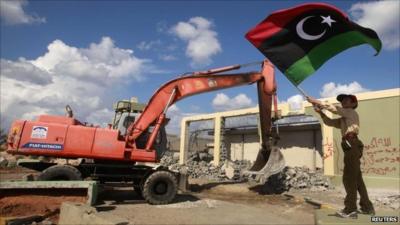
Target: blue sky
150, 30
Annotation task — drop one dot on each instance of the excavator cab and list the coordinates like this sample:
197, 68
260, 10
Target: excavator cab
126, 113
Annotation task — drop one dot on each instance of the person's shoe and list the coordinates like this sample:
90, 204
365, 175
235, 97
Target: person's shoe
344, 214
368, 211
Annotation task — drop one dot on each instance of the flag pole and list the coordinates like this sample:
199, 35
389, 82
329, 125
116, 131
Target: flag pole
298, 88
301, 91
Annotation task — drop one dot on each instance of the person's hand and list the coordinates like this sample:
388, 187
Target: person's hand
317, 109
310, 99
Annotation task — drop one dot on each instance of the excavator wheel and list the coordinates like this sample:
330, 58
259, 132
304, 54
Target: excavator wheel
160, 188
60, 172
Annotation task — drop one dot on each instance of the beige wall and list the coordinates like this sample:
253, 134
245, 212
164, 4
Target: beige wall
298, 146
380, 132
243, 146
201, 143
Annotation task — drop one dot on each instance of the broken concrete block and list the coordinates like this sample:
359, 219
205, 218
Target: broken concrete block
77, 213
230, 172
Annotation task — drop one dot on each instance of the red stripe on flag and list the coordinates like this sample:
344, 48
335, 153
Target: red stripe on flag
277, 20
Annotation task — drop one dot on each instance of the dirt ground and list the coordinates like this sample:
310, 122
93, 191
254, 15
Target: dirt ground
15, 173
207, 203
31, 205
225, 203
216, 204
23, 203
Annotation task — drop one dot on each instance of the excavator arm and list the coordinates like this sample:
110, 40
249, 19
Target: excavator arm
269, 159
201, 82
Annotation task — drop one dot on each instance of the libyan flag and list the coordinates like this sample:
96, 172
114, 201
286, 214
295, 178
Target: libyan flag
300, 39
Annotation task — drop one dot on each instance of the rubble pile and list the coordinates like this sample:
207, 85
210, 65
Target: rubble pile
8, 160
202, 169
168, 159
298, 178
392, 201
302, 177
199, 165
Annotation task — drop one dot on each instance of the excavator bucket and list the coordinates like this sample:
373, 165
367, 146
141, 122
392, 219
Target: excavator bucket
268, 163
269, 159
261, 160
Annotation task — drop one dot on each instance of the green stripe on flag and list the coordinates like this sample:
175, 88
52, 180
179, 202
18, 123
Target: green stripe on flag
307, 65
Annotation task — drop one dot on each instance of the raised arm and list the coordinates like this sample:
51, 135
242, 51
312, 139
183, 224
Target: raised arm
197, 83
330, 107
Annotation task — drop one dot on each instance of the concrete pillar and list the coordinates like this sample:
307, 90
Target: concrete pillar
217, 139
184, 142
328, 149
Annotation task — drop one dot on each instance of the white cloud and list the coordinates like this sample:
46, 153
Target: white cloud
103, 116
24, 71
101, 62
176, 114
331, 89
295, 102
168, 57
85, 78
383, 17
222, 102
148, 45
161, 27
12, 13
202, 42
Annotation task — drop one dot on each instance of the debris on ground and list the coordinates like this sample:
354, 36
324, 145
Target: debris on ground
297, 178
8, 160
31, 205
289, 177
200, 165
302, 177
392, 201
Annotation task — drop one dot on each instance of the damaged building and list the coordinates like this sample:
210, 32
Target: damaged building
304, 140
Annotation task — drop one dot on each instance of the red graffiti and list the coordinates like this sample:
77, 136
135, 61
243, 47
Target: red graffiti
379, 171
378, 153
328, 149
378, 142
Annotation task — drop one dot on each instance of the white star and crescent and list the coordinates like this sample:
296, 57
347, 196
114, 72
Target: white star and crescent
300, 31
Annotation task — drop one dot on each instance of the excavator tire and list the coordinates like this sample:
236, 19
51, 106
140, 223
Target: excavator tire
160, 188
60, 172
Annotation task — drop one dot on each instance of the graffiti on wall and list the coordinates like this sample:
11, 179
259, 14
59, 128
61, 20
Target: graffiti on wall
327, 146
380, 157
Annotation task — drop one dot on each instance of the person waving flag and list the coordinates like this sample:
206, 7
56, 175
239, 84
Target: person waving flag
299, 40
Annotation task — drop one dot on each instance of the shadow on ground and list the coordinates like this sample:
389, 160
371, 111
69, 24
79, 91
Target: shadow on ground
123, 197
208, 186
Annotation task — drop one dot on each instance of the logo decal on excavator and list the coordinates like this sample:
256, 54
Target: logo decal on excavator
39, 132
212, 83
43, 146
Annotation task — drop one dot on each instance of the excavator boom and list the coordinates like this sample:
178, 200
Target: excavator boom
197, 83
268, 159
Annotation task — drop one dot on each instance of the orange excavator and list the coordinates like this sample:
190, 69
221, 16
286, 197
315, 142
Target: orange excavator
131, 150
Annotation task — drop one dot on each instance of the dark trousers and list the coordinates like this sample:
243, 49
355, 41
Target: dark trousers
352, 177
